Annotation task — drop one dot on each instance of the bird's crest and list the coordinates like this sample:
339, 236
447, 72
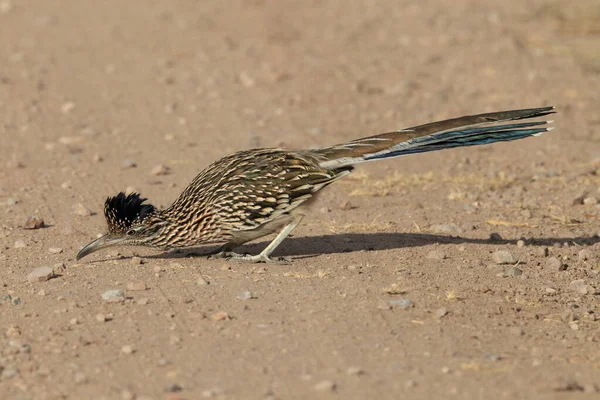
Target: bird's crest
122, 210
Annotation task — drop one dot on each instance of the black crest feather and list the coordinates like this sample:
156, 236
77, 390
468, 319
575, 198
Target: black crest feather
122, 210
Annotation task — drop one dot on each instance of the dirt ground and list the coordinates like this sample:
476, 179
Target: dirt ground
394, 289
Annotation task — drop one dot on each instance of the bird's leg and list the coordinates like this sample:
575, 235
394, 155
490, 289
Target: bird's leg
264, 255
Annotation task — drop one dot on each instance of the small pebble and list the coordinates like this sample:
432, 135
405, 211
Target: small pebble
97, 158
246, 80
40, 274
127, 163
554, 264
74, 321
173, 388
100, 317
401, 303
220, 315
127, 349
160, 169
55, 250
520, 243
34, 223
441, 312
585, 255
355, 371
143, 301
579, 286
201, 281
11, 202
325, 386
495, 237
590, 201
136, 286
67, 107
437, 255
516, 331
113, 296
513, 271
81, 210
136, 261
542, 251
19, 244
450, 229
245, 295
503, 257
9, 373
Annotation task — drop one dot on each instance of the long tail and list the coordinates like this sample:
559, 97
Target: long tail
470, 130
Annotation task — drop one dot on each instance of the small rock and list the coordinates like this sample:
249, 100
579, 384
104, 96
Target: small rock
127, 163
401, 303
503, 257
6, 7
74, 321
58, 268
34, 223
450, 229
520, 244
355, 371
554, 264
101, 317
81, 210
516, 330
127, 349
437, 255
97, 158
542, 251
441, 312
19, 244
11, 202
246, 80
143, 301
9, 373
136, 261
346, 205
67, 107
136, 286
590, 201
160, 169
550, 290
40, 274
173, 388
13, 331
245, 295
579, 286
513, 271
325, 386
384, 305
113, 296
15, 301
585, 255
55, 250
495, 237
201, 281
220, 316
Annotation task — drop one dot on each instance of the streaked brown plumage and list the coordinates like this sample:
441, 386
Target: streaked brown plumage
253, 193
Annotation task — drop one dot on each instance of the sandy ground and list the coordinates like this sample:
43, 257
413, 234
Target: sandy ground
393, 291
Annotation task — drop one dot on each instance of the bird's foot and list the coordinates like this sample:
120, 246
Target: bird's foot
259, 258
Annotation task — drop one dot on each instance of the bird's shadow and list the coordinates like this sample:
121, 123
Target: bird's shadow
309, 246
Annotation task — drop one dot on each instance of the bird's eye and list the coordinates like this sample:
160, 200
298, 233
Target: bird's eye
131, 232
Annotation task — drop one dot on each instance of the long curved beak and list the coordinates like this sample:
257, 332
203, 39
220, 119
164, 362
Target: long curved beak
100, 243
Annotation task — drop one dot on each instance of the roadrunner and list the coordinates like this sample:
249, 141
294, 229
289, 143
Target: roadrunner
250, 194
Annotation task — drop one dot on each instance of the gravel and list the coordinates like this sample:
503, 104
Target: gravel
325, 386
40, 274
113, 296
554, 264
136, 286
81, 210
503, 257
401, 303
245, 295
34, 223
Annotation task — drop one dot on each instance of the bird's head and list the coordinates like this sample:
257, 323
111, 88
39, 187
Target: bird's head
129, 222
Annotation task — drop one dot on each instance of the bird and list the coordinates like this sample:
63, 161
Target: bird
253, 193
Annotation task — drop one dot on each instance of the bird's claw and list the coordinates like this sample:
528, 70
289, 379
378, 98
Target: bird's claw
259, 258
